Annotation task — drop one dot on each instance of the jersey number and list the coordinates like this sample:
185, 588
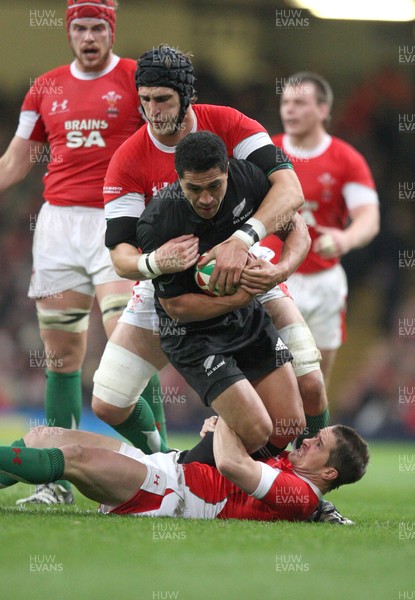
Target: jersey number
76, 139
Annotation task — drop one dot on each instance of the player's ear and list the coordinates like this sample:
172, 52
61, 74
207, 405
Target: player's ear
329, 473
324, 111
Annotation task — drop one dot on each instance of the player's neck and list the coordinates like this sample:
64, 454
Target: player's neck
185, 127
315, 478
309, 140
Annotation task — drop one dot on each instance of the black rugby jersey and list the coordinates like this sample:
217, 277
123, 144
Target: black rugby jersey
171, 215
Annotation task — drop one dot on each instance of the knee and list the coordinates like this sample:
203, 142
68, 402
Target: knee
313, 392
120, 378
257, 434
288, 428
104, 411
75, 455
36, 436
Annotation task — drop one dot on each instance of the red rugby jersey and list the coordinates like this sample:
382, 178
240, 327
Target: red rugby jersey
84, 117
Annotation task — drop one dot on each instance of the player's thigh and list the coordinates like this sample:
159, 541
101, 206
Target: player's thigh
142, 342
56, 437
283, 312
65, 300
103, 475
281, 397
242, 409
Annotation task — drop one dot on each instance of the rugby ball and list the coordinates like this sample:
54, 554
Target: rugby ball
202, 276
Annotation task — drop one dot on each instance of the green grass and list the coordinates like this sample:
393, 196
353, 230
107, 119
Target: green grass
125, 558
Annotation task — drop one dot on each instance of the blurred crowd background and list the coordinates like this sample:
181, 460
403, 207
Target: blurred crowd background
241, 57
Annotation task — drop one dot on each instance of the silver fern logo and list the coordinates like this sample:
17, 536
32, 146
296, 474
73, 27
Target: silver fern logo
239, 208
208, 362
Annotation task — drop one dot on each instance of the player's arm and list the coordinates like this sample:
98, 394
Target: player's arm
261, 275
129, 261
364, 226
232, 459
201, 307
16, 162
277, 208
174, 256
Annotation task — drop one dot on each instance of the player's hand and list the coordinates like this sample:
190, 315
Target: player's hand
332, 242
208, 425
178, 254
231, 257
260, 276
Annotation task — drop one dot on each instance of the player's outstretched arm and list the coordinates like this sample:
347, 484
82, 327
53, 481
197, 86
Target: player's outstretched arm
16, 162
232, 459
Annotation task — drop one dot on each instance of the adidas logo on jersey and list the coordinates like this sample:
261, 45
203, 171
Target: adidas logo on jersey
280, 345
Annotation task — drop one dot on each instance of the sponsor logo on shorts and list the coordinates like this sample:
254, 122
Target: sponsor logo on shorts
208, 365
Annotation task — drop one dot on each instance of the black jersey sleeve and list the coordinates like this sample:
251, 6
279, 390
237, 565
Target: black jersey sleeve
121, 230
270, 158
146, 237
167, 285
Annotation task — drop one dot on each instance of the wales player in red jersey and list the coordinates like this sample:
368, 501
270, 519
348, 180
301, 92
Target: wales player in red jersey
126, 482
78, 114
341, 208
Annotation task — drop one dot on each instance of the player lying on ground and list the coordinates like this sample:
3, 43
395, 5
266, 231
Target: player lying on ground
124, 481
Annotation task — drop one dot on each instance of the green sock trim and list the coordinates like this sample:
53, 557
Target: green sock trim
5, 480
154, 398
32, 465
139, 429
57, 460
314, 424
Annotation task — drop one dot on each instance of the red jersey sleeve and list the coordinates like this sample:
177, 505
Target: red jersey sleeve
291, 498
31, 126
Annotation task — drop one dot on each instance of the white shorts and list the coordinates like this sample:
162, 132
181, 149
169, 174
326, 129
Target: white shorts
165, 492
140, 310
69, 251
162, 492
321, 298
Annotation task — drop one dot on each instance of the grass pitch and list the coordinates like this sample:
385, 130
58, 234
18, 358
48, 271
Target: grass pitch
73, 553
